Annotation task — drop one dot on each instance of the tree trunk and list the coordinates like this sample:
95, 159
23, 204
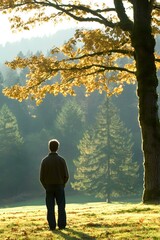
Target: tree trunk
108, 199
144, 43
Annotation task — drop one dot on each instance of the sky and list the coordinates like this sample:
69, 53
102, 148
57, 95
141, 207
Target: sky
45, 29
6, 34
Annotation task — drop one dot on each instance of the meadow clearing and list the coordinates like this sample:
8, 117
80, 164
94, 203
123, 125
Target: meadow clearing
96, 220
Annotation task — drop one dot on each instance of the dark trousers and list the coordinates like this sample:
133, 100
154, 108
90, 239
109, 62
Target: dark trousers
55, 193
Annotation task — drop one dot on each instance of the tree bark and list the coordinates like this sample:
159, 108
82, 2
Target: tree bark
144, 43
108, 200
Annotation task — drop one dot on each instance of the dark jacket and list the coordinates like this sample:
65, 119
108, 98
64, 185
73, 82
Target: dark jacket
53, 170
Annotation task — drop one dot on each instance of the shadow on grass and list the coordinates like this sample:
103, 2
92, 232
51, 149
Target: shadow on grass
70, 234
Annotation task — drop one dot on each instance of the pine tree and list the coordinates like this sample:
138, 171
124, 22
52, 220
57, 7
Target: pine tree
11, 161
9, 132
69, 125
104, 167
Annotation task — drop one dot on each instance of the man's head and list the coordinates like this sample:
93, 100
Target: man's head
53, 145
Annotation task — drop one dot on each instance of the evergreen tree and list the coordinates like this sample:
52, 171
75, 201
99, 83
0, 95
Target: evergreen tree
105, 166
11, 161
70, 126
9, 132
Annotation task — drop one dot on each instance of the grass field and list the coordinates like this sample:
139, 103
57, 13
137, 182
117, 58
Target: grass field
96, 220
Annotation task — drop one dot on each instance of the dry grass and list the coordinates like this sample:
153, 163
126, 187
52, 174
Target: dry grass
85, 221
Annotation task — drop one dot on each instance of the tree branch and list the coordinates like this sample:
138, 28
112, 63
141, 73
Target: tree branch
156, 6
103, 53
102, 68
125, 23
68, 9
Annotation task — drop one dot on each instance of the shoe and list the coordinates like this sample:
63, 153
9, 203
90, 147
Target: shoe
61, 228
51, 229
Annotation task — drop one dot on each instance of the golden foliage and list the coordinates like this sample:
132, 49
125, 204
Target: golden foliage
100, 59
89, 66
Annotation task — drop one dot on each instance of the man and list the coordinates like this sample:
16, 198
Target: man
53, 176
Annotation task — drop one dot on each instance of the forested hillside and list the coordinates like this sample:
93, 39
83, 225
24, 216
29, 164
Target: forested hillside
26, 128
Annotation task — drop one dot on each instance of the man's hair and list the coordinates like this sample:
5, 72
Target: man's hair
53, 145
